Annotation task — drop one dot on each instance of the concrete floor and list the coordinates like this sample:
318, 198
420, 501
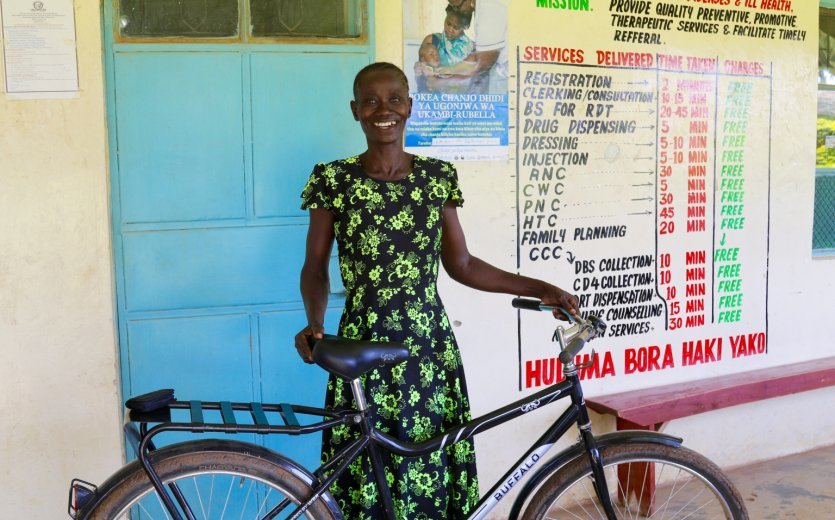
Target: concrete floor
799, 486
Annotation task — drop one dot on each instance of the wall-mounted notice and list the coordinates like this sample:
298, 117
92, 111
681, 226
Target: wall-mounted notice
39, 48
456, 60
644, 172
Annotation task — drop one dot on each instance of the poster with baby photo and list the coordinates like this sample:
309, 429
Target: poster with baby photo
456, 62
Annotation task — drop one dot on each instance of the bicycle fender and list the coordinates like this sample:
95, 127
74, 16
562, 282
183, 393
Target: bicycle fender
206, 445
567, 455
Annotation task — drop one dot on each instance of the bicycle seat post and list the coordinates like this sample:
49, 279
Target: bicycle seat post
359, 395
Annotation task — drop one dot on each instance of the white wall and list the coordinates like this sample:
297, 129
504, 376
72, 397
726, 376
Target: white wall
59, 411
799, 286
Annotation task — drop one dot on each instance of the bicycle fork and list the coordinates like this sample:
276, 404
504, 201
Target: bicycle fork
599, 478
595, 460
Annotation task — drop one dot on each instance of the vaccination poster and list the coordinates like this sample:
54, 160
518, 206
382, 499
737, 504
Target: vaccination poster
456, 61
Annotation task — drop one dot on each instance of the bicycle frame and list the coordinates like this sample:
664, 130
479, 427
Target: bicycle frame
376, 442
576, 413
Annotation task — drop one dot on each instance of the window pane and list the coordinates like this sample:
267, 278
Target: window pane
306, 18
178, 18
826, 47
826, 129
823, 229
823, 233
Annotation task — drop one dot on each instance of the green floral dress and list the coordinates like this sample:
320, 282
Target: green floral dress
389, 238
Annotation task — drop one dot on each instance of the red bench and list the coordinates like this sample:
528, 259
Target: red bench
650, 408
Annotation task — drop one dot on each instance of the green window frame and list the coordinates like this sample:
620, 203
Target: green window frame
823, 230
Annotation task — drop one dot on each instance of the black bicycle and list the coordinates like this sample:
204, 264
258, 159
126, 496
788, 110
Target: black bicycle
600, 477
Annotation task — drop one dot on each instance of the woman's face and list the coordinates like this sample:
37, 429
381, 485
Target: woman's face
382, 106
453, 28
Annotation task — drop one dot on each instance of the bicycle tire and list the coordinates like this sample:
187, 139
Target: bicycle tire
687, 485
209, 473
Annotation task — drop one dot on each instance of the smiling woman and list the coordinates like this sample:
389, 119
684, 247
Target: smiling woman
382, 105
393, 216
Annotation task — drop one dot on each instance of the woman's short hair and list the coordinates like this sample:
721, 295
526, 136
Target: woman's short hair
380, 66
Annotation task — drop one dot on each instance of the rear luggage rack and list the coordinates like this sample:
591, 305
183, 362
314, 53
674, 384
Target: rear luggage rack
220, 417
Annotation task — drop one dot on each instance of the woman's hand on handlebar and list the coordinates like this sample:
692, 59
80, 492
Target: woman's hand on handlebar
306, 338
558, 298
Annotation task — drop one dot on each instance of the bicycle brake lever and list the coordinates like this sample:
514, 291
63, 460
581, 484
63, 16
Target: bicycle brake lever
588, 363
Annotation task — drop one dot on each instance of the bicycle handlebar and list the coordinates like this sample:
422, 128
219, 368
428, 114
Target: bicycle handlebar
527, 304
536, 305
575, 337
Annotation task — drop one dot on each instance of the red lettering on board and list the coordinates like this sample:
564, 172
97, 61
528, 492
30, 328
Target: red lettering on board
647, 359
547, 371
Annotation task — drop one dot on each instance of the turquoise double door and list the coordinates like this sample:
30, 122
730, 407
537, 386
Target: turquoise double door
213, 133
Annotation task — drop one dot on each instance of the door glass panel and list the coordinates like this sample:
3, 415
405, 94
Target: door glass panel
306, 18
178, 18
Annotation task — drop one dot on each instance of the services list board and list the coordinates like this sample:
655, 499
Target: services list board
643, 183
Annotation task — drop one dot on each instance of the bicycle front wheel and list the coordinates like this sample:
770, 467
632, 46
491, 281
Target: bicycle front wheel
216, 479
644, 480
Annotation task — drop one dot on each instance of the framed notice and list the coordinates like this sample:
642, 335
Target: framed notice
39, 48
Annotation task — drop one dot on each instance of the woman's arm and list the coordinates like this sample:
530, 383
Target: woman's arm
475, 63
314, 283
465, 74
478, 274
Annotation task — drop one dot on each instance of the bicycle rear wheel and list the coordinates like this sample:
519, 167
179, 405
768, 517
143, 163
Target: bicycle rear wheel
644, 480
218, 479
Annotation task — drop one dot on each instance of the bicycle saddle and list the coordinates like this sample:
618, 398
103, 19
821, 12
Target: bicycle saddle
351, 358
